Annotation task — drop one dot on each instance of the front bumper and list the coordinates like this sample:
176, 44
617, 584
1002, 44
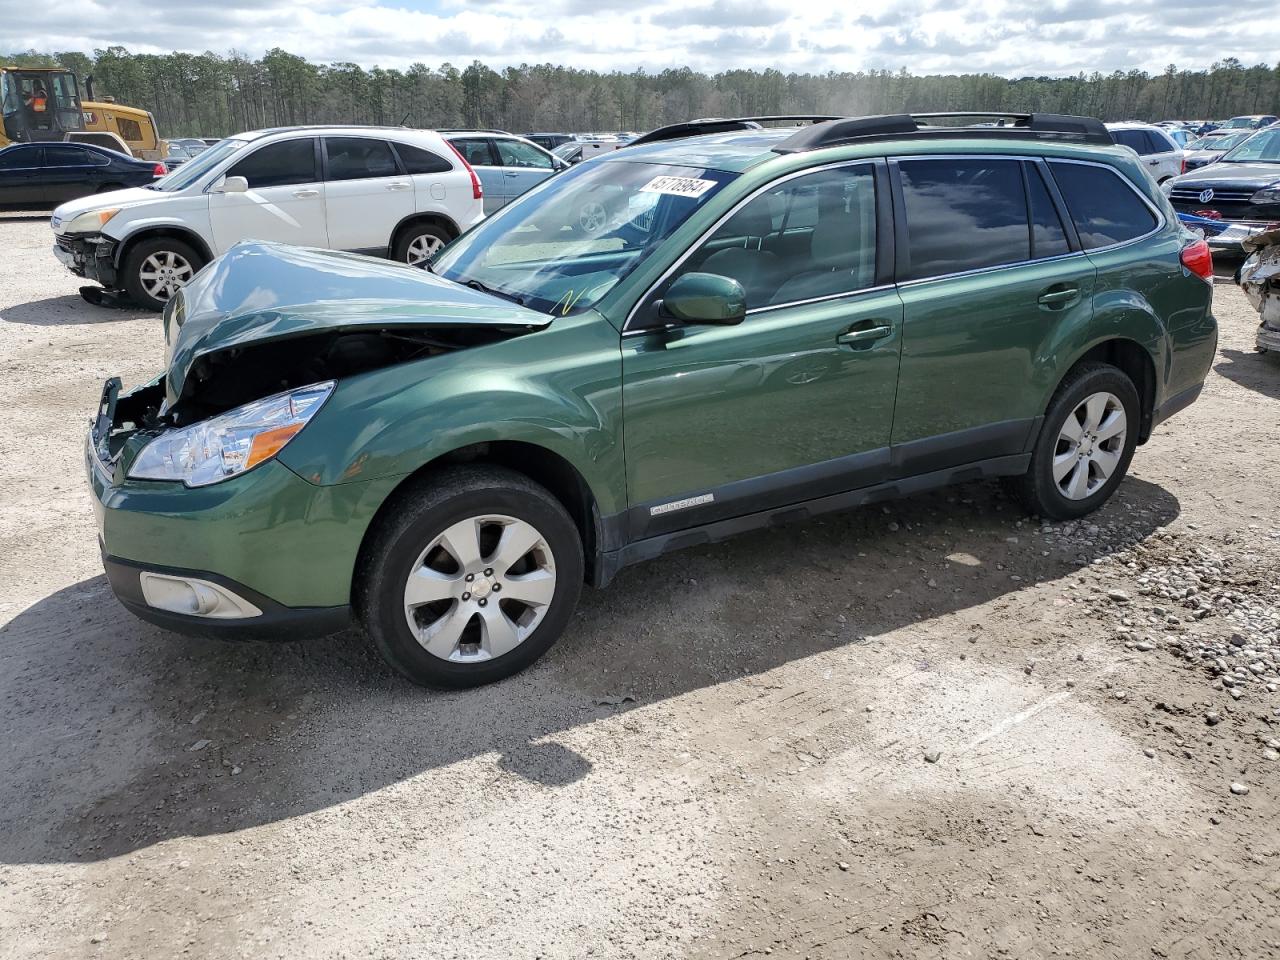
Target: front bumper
88, 255
287, 546
1269, 337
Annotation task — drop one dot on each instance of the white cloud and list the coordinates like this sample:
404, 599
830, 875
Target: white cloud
1006, 37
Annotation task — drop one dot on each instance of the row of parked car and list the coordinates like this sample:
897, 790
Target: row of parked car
390, 192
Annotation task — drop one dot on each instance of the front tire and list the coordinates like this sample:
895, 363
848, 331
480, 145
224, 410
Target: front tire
154, 270
1086, 443
469, 577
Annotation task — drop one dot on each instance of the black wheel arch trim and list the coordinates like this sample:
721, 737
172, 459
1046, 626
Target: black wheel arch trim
186, 234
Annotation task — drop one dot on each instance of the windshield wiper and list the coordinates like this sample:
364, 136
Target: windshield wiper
477, 285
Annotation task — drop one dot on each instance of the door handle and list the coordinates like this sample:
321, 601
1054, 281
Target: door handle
510, 173
304, 194
864, 334
1059, 297
398, 186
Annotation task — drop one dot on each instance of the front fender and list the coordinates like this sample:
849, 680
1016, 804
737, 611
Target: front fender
557, 388
193, 224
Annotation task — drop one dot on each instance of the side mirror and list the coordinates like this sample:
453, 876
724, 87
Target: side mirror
232, 185
706, 298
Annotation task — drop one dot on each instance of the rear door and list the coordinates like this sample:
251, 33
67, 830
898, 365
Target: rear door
21, 183
992, 280
285, 200
479, 152
71, 171
366, 193
523, 166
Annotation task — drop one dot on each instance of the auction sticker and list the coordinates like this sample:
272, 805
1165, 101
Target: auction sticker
678, 186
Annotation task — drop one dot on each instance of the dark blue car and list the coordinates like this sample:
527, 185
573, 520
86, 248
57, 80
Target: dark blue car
43, 175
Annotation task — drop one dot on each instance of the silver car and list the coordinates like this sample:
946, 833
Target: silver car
507, 165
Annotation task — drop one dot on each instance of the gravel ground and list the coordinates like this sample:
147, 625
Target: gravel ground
934, 729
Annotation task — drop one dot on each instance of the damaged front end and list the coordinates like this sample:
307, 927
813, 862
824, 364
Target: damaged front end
257, 342
1259, 277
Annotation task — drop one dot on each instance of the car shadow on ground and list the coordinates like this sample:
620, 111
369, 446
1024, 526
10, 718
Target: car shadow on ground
70, 310
119, 736
1256, 371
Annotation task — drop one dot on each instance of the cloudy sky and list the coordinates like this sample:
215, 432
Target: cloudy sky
1009, 37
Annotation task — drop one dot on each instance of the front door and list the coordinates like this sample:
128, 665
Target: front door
523, 166
21, 176
796, 402
365, 194
285, 200
990, 283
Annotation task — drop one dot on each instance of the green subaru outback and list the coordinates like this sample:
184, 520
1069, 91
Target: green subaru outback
721, 327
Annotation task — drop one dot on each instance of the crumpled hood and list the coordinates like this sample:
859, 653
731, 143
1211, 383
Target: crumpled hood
128, 197
259, 292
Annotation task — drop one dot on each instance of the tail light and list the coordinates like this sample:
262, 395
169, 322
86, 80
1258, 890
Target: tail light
159, 170
1183, 168
477, 191
1198, 258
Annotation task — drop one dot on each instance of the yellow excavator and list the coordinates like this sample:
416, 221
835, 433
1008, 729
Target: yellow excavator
43, 103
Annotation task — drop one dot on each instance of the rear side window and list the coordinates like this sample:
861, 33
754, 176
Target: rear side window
358, 158
61, 155
1135, 140
417, 160
279, 164
963, 215
1160, 143
1104, 208
1048, 239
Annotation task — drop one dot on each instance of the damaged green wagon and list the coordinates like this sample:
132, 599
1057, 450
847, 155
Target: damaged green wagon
721, 327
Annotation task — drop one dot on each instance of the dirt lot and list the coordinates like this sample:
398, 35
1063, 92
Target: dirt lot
726, 755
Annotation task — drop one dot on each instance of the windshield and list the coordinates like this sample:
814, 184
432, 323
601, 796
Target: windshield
1262, 147
193, 170
560, 248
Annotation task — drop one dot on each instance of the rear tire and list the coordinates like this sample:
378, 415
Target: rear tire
418, 243
469, 577
1085, 445
155, 269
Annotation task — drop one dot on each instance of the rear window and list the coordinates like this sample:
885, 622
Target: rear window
964, 215
417, 160
64, 155
279, 164
1104, 208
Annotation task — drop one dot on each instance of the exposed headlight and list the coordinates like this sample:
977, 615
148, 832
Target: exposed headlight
90, 222
232, 442
1269, 194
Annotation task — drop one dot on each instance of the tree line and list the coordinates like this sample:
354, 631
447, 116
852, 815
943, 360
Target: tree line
210, 95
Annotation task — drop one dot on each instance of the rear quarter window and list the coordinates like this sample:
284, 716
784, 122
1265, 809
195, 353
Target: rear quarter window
417, 160
1104, 207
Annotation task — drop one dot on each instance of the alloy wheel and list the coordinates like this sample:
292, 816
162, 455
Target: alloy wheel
592, 216
422, 248
163, 273
480, 588
1090, 446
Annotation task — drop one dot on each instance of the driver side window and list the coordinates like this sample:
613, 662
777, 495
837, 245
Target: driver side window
809, 238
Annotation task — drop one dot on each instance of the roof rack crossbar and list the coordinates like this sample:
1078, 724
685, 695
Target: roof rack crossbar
693, 128
1044, 126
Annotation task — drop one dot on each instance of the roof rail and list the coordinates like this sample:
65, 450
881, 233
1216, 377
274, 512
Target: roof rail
693, 128
1042, 126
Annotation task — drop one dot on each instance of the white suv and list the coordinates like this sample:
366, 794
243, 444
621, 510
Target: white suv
1160, 153
377, 190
